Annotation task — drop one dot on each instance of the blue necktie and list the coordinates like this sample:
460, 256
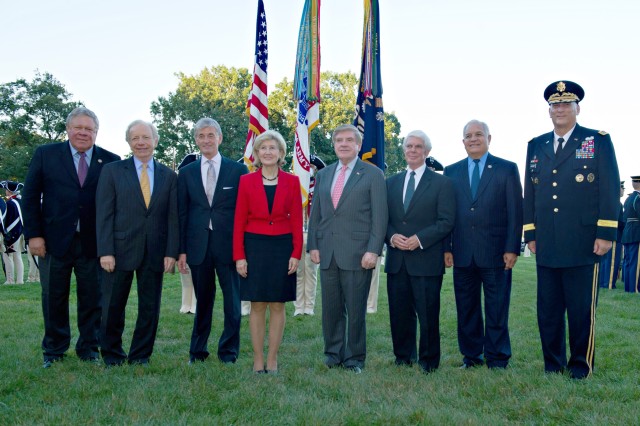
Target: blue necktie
475, 179
411, 188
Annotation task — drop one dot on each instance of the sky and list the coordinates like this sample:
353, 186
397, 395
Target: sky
443, 62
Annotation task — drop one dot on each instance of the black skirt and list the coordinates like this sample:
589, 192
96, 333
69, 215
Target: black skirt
267, 265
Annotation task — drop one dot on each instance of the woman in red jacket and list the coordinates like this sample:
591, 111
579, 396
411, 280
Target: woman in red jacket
267, 244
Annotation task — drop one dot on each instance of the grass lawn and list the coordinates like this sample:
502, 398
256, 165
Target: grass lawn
305, 392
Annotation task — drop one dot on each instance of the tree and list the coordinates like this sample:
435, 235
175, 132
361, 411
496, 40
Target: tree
31, 114
221, 93
217, 92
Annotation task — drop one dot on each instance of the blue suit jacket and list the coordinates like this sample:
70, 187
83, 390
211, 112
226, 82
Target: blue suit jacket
53, 200
490, 225
195, 212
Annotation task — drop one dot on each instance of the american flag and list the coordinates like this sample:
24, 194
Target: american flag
257, 108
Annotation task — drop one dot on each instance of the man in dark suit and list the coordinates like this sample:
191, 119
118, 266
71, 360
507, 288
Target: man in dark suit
485, 245
631, 238
137, 230
58, 205
207, 192
570, 220
422, 210
346, 234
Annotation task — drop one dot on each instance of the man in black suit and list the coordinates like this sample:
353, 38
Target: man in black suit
484, 247
58, 205
421, 214
571, 207
137, 230
207, 192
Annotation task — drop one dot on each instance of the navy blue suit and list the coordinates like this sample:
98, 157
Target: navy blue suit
570, 200
209, 251
53, 202
486, 227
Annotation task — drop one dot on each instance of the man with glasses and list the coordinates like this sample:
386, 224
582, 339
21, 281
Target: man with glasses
570, 221
59, 209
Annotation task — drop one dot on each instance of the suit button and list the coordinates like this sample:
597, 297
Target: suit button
555, 184
555, 210
555, 197
404, 223
555, 171
472, 209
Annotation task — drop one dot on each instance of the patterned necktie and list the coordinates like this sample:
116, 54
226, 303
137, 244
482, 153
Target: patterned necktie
559, 149
211, 181
338, 187
145, 186
83, 168
475, 178
411, 188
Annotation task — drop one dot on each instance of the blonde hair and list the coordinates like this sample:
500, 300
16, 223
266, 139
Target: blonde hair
269, 135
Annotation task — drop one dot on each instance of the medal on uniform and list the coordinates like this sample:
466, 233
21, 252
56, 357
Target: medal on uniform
579, 178
591, 177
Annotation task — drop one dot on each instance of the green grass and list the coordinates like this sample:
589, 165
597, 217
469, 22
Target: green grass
305, 392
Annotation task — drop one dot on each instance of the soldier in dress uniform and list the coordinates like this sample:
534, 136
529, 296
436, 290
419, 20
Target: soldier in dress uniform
13, 241
610, 262
631, 238
570, 221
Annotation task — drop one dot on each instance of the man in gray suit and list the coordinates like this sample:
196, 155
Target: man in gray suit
346, 233
137, 230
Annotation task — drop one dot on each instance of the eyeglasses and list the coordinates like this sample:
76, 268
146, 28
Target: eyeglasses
83, 128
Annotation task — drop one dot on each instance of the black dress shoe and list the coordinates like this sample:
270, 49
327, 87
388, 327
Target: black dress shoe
354, 368
259, 371
49, 362
143, 362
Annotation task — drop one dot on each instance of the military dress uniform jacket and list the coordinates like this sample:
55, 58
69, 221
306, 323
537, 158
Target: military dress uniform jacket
571, 200
631, 216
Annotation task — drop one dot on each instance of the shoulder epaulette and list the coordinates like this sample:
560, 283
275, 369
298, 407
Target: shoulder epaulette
603, 133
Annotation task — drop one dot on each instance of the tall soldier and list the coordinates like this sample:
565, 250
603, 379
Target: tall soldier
59, 206
570, 220
631, 237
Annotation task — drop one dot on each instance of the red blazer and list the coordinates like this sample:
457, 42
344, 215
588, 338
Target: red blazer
252, 211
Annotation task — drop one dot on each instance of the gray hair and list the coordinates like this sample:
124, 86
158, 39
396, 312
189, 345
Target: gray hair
206, 122
82, 111
269, 135
420, 135
154, 131
347, 128
484, 125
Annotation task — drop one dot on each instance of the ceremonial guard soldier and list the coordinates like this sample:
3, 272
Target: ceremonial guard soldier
570, 220
631, 238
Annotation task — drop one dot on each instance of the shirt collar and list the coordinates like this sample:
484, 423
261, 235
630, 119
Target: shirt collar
88, 152
419, 171
483, 160
216, 159
139, 163
566, 136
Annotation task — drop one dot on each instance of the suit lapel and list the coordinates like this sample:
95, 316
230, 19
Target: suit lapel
487, 174
547, 147
396, 192
423, 185
464, 177
571, 145
356, 174
159, 177
132, 176
66, 159
94, 167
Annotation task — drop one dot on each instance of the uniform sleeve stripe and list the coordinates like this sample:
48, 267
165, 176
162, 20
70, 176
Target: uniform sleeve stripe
608, 223
532, 227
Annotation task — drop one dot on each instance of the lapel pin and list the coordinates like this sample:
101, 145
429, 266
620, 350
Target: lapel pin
99, 160
489, 166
